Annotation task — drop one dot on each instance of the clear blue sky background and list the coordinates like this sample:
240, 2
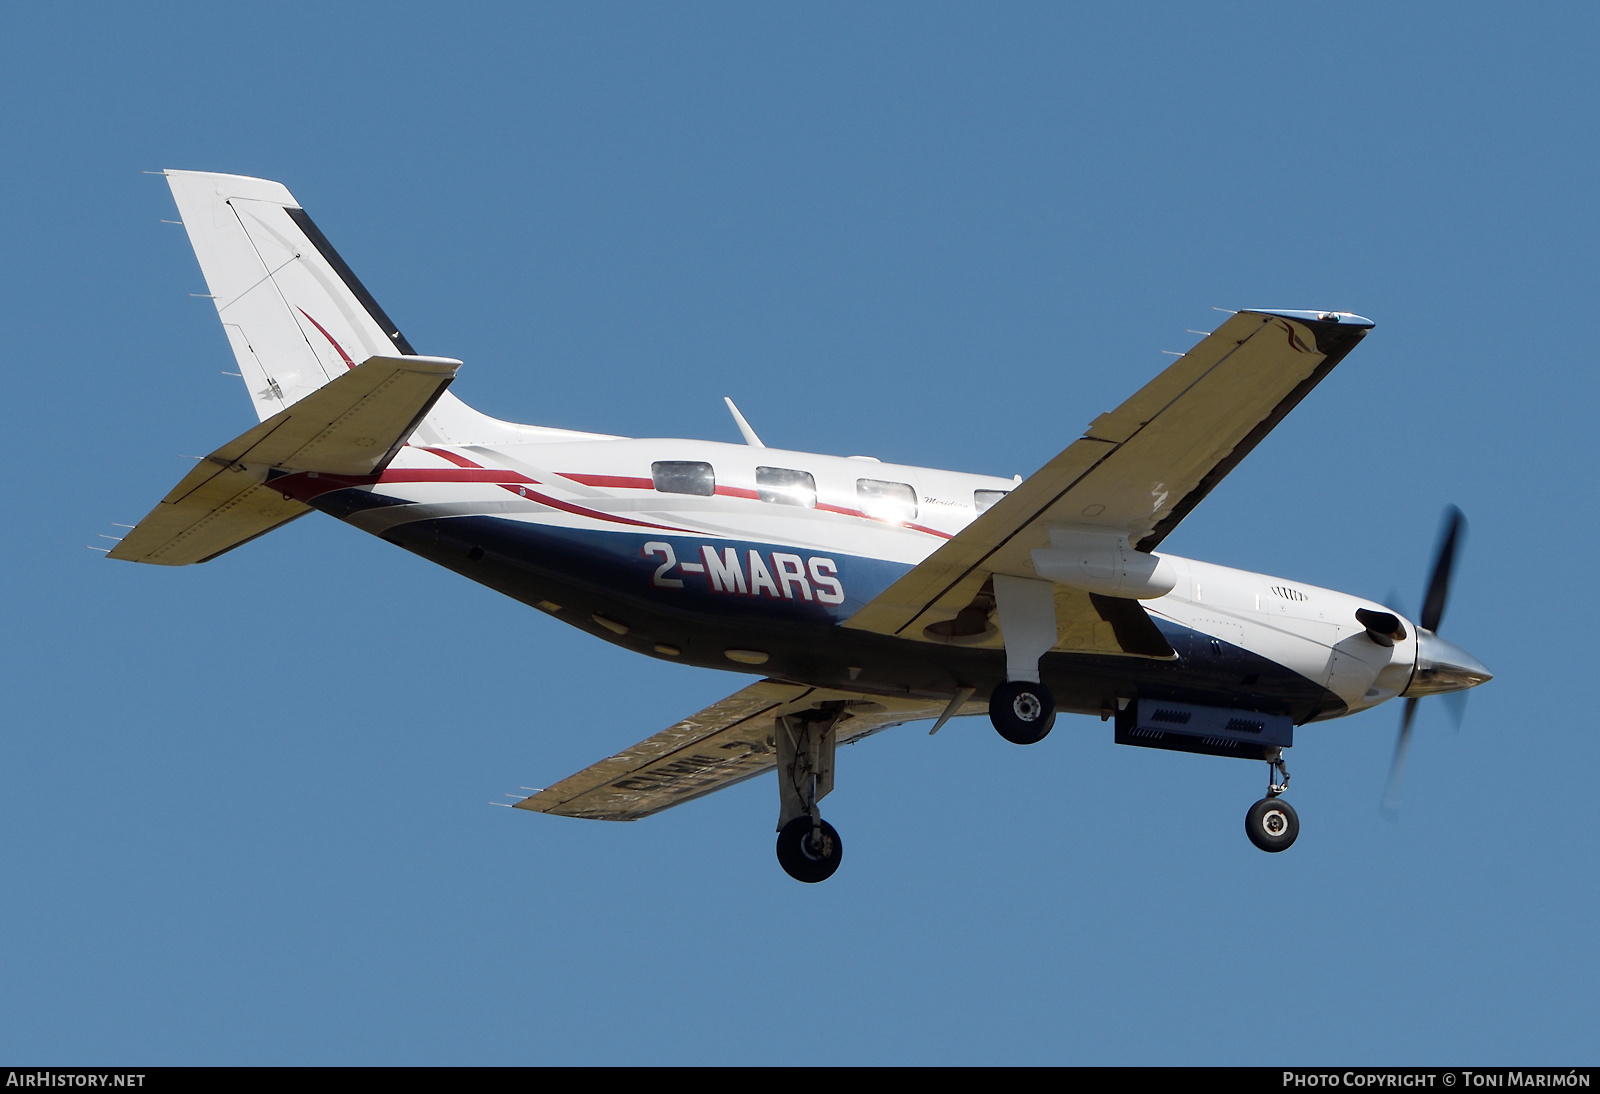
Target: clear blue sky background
242, 805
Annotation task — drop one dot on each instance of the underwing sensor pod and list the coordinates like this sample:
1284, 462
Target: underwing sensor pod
1098, 561
863, 594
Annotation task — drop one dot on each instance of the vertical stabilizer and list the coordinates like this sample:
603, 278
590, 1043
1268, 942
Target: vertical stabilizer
293, 312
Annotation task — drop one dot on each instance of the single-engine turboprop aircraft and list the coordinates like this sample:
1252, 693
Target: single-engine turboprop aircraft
867, 594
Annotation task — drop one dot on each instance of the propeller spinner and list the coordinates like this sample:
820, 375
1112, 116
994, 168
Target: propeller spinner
1442, 667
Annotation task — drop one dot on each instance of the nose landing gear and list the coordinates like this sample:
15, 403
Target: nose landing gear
1272, 823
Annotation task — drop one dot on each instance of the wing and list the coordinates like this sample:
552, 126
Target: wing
724, 744
1137, 471
351, 426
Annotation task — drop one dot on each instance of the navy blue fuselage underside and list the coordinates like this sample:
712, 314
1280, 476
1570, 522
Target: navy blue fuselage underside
579, 574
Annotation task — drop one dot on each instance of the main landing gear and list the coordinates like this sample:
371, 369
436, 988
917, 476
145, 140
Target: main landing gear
809, 849
1022, 709
1272, 823
1022, 712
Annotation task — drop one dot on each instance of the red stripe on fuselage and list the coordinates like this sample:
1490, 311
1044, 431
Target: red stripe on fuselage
568, 507
825, 507
628, 482
614, 482
303, 487
454, 474
511, 480
631, 482
454, 457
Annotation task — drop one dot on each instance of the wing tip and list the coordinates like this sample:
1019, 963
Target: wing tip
1342, 318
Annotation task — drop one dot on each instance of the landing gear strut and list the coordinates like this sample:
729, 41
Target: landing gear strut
1022, 709
1272, 823
809, 849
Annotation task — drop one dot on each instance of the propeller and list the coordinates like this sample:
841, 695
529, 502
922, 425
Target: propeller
1451, 535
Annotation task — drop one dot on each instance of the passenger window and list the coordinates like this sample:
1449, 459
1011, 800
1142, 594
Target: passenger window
985, 498
892, 501
782, 486
684, 477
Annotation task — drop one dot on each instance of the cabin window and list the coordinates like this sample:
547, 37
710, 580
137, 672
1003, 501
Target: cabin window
782, 486
982, 499
891, 501
684, 477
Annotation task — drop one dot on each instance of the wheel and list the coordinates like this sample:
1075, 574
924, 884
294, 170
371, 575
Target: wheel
807, 854
1022, 713
1272, 824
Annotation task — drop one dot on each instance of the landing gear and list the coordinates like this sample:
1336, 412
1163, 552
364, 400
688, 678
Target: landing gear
1022, 711
809, 850
1272, 823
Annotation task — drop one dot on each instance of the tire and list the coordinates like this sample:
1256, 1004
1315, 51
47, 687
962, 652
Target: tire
1272, 824
804, 862
1022, 712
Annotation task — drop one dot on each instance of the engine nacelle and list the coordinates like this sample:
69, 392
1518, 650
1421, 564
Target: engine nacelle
1100, 561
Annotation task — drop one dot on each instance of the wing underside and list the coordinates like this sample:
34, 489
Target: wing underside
726, 743
1136, 472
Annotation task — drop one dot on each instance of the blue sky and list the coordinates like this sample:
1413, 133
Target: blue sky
242, 805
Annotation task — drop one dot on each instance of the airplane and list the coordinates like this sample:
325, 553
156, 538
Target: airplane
864, 594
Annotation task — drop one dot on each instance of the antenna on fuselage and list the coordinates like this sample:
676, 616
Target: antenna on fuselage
750, 437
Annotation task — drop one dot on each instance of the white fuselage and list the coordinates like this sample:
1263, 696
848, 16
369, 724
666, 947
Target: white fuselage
798, 555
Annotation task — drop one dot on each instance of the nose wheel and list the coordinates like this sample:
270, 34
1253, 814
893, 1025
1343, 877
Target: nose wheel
1272, 823
1022, 712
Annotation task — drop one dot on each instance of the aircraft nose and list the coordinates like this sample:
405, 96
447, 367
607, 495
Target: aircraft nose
1444, 666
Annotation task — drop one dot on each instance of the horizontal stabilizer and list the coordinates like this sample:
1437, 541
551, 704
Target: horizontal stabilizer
352, 426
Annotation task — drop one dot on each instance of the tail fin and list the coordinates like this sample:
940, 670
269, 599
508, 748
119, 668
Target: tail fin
293, 312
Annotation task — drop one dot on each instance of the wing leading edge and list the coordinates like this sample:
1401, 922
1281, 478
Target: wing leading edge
1137, 471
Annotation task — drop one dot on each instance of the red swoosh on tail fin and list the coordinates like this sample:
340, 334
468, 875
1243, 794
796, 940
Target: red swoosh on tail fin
347, 362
